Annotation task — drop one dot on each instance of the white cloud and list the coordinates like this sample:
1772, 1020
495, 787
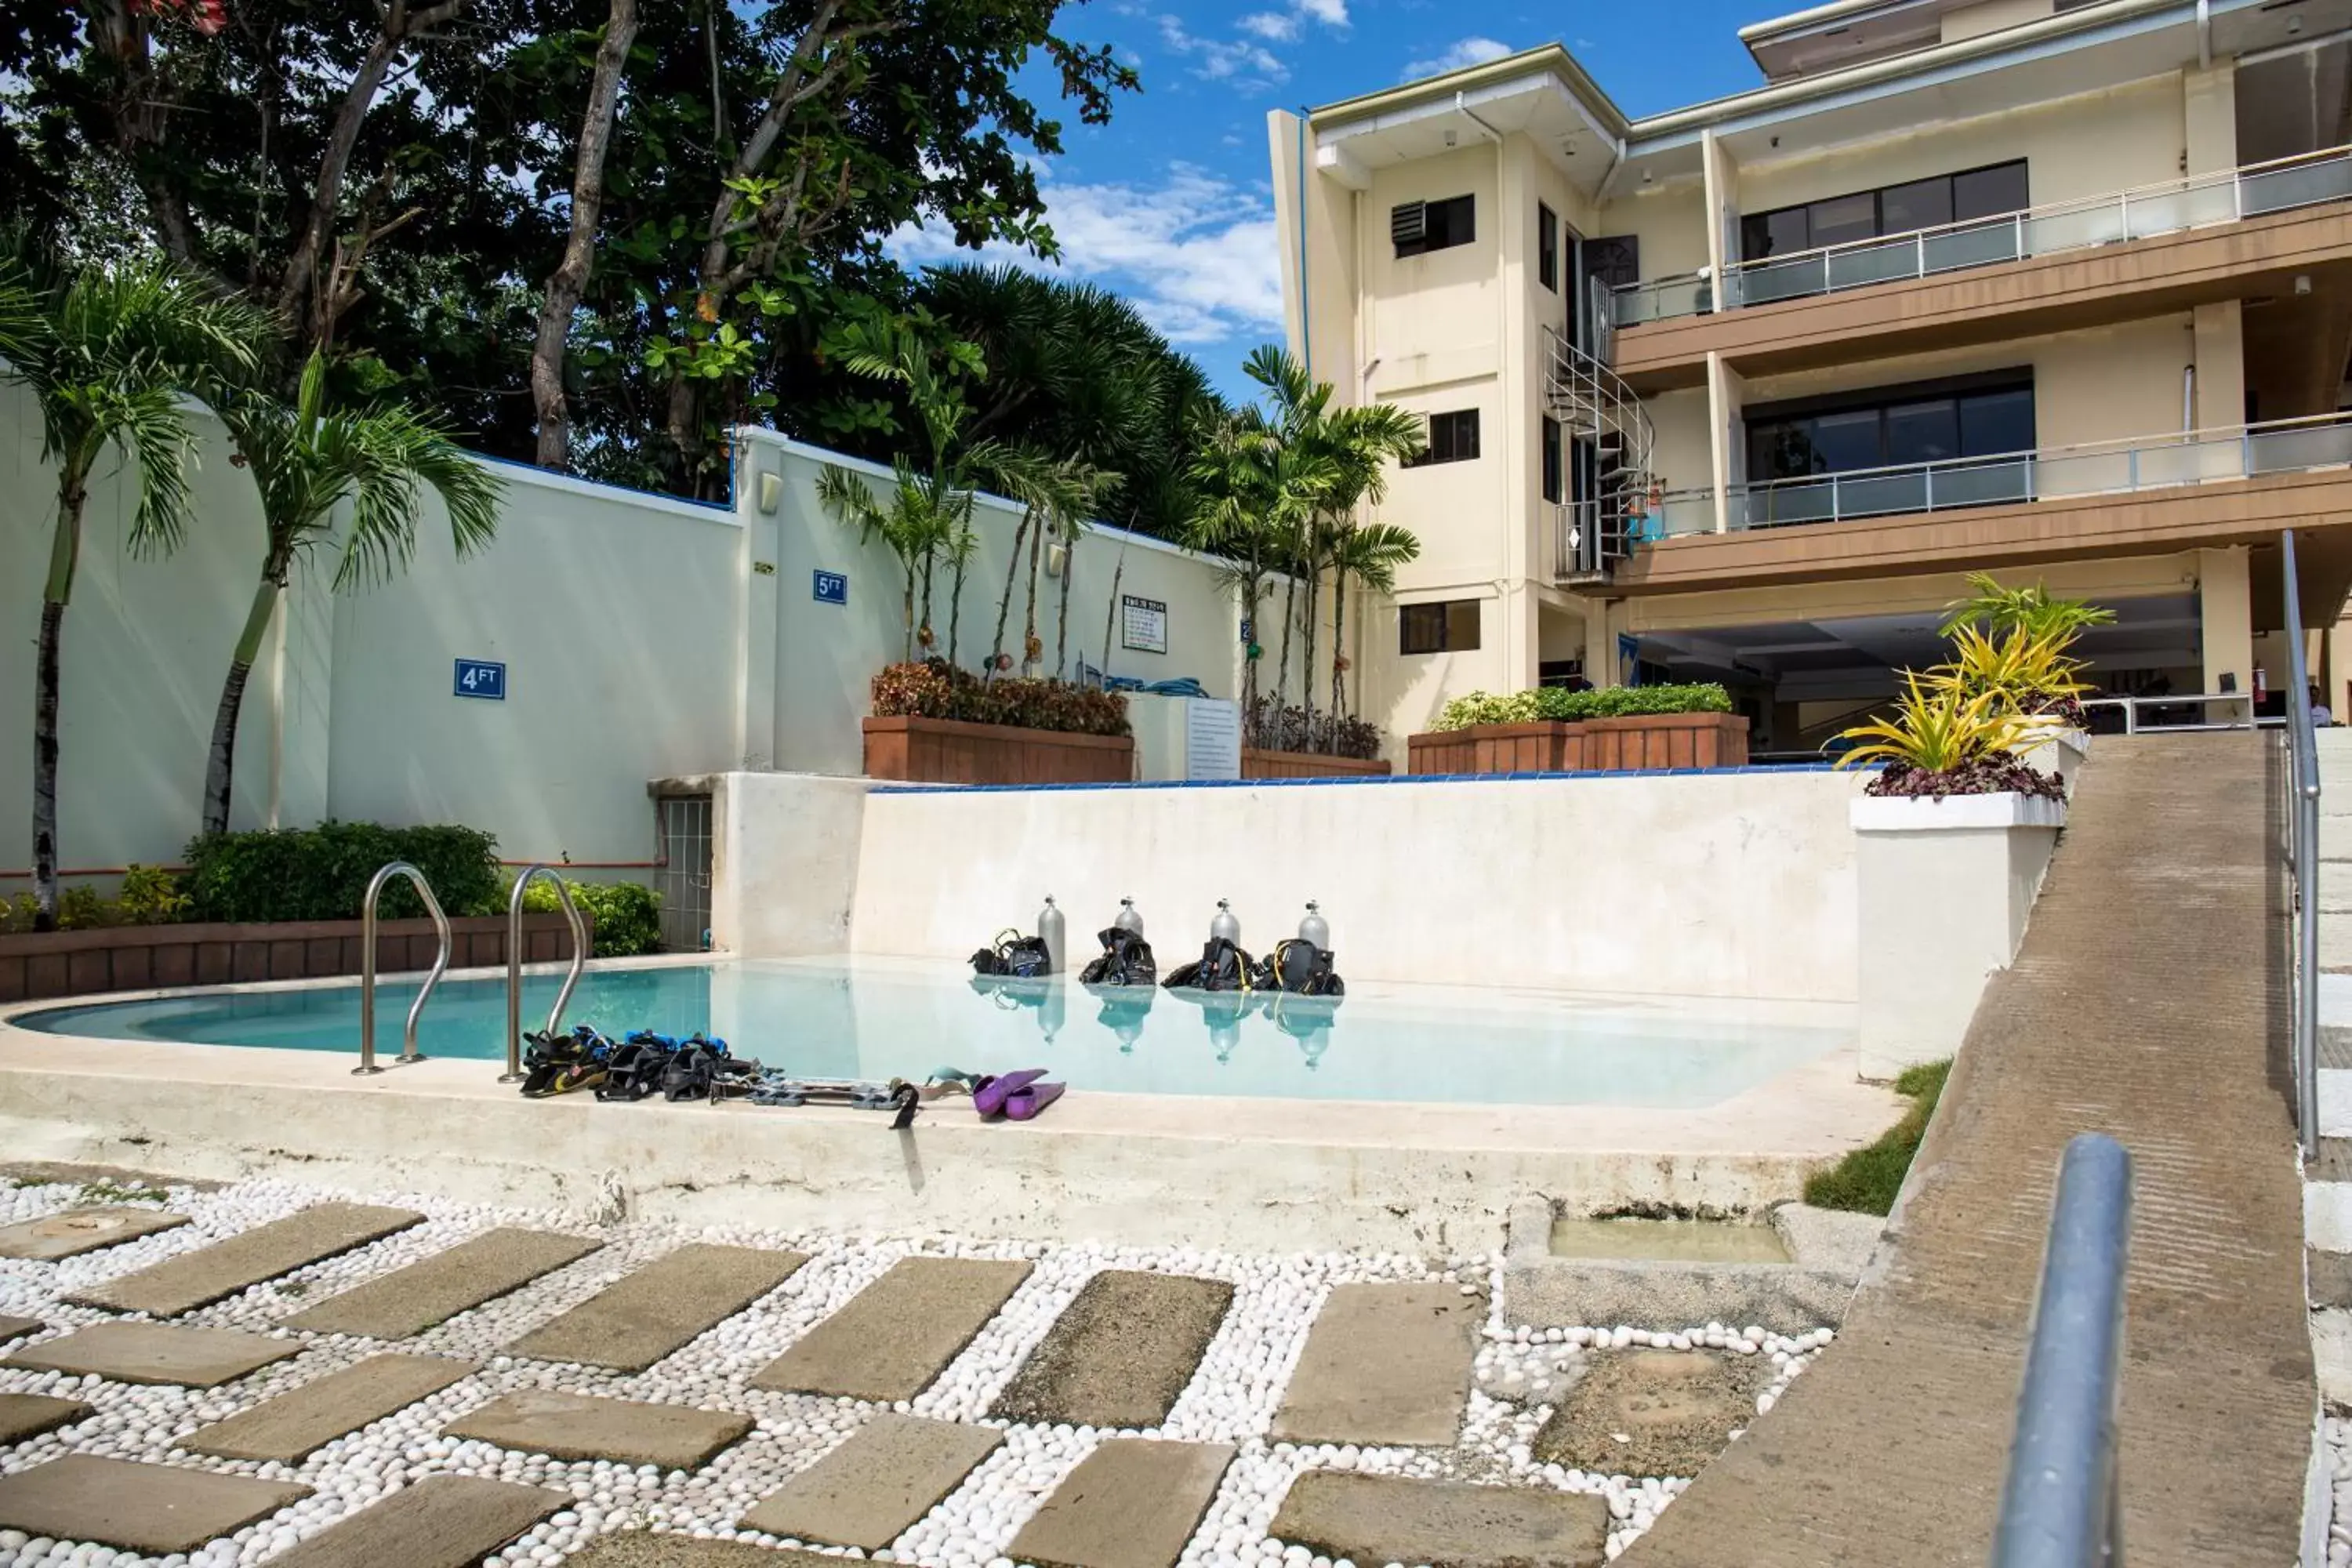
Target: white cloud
1473, 51
1237, 61
1275, 27
1330, 12
1195, 254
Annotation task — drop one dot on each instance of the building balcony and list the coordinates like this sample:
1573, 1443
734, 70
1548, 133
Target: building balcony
2050, 269
2198, 488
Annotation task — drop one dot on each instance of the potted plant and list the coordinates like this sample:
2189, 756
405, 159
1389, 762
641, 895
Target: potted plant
2018, 641
1553, 730
935, 724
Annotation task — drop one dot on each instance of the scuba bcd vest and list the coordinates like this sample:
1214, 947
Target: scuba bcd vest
1015, 957
1222, 967
1126, 961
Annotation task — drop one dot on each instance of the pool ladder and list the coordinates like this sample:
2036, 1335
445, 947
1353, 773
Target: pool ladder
409, 1053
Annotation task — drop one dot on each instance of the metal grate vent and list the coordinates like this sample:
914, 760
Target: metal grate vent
684, 880
1408, 222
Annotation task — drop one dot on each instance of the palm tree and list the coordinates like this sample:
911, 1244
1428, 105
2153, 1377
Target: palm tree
1057, 496
1237, 501
1371, 551
908, 522
110, 352
306, 461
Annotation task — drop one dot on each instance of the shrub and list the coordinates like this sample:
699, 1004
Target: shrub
933, 689
1943, 740
1560, 704
627, 914
151, 896
1867, 1180
1287, 729
321, 873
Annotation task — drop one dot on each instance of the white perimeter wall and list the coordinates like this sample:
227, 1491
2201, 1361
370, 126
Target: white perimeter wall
641, 641
1722, 885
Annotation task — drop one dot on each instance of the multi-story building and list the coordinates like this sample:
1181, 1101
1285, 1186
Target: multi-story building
1741, 391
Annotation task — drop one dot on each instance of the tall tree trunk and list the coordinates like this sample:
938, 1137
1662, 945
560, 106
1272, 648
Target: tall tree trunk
1250, 724
570, 279
955, 602
220, 765
1306, 654
1282, 667
65, 554
1339, 648
923, 634
1004, 601
1062, 620
1032, 652
1110, 611
906, 611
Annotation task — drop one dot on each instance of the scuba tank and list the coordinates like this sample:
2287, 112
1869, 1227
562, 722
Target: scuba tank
1050, 931
1225, 925
1126, 919
1314, 929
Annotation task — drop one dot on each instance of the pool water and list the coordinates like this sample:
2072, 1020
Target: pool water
882, 1019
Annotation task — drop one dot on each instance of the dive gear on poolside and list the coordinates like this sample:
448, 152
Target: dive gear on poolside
1313, 929
563, 1063
1014, 955
1127, 919
1299, 966
1053, 931
1225, 925
1222, 967
1126, 960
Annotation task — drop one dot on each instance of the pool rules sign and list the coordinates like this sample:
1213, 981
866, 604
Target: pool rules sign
1143, 624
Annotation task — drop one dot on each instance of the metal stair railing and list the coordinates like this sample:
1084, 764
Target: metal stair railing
367, 965
1592, 403
514, 1073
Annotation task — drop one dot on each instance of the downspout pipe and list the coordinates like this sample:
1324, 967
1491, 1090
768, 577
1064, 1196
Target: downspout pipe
1461, 107
1306, 317
2204, 34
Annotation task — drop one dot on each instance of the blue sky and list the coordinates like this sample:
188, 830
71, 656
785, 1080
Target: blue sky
1170, 205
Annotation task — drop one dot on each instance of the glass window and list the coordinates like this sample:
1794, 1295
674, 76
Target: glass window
1551, 488
1846, 440
1449, 626
1923, 204
1925, 432
1453, 439
1992, 423
1775, 234
1989, 192
1842, 218
1546, 249
1444, 225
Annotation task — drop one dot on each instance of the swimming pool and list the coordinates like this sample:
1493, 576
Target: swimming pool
880, 1018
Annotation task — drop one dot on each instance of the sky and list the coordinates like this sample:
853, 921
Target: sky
1170, 204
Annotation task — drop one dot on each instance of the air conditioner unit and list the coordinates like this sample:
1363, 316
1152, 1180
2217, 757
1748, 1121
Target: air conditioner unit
1409, 223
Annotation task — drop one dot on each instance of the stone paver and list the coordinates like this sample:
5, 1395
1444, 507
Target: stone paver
155, 1509
72, 1232
1132, 1504
866, 1492
442, 1522
899, 1332
433, 1290
576, 1426
1389, 1519
24, 1416
662, 1307
1120, 1353
1384, 1364
2147, 1002
1652, 1413
156, 1353
294, 1426
644, 1548
183, 1284
17, 1328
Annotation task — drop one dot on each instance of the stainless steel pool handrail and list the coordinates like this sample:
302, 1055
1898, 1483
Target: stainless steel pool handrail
367, 964
514, 1073
2302, 838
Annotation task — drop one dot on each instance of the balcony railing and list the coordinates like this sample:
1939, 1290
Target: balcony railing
2146, 463
2170, 207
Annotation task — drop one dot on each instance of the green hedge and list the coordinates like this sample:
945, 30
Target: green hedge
1558, 702
321, 873
627, 916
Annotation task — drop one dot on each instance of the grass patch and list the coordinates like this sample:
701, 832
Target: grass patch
1866, 1181
109, 1192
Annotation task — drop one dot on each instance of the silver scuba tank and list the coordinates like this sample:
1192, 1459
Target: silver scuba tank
1050, 930
1225, 925
1126, 919
1314, 929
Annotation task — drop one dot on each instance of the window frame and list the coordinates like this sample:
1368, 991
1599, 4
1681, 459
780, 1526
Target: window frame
1448, 449
1761, 419
1437, 225
1759, 223
1448, 615
1546, 247
1552, 464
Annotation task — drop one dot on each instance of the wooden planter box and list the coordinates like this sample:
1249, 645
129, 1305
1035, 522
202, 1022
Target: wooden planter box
949, 751
35, 965
1589, 745
1260, 764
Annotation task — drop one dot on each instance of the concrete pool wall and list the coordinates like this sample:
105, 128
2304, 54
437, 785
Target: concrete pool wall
1726, 883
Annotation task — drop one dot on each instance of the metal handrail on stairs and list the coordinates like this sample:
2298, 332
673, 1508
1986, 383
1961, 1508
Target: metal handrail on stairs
2303, 802
367, 965
514, 1073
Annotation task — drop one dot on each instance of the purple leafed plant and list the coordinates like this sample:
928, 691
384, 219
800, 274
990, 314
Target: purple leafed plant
1994, 773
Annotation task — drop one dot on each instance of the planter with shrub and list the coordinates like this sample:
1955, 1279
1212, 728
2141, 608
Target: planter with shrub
1286, 743
1552, 730
284, 905
934, 723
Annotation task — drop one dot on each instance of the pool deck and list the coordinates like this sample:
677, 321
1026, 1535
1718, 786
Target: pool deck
1136, 1168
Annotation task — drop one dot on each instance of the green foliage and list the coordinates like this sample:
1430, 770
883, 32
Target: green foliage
936, 689
321, 873
1937, 727
627, 915
151, 896
1560, 704
1867, 1180
2029, 610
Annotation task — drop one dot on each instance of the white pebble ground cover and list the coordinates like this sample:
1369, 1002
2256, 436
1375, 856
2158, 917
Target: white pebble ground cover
1231, 1398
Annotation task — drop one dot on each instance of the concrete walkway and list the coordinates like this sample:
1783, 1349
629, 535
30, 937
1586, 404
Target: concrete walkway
2149, 1003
